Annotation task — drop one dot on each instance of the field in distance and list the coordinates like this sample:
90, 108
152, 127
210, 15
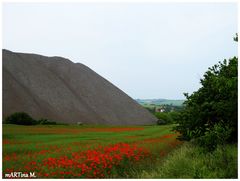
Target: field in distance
65, 151
160, 102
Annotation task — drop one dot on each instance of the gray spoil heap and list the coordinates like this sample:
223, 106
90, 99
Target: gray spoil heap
57, 89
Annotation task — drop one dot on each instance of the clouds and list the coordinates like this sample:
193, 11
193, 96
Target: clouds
146, 49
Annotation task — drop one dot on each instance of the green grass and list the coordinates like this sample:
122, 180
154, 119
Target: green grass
27, 141
168, 159
30, 134
189, 161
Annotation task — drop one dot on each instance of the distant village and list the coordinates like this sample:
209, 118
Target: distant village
162, 108
161, 105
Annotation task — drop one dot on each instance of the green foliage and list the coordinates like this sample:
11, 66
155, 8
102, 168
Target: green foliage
218, 135
151, 109
164, 117
188, 161
171, 108
175, 116
20, 118
161, 122
167, 117
46, 122
214, 102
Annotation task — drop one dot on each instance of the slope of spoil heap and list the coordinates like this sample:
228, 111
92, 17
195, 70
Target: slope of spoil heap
58, 89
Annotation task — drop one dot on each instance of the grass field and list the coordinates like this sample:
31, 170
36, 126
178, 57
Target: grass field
64, 151
190, 161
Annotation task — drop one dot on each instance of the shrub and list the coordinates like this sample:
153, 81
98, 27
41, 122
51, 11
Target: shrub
175, 116
218, 135
20, 118
46, 122
161, 122
163, 116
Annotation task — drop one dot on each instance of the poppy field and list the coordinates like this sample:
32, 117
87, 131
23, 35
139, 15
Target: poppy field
67, 151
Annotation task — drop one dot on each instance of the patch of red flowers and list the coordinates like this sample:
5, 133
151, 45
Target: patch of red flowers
95, 163
101, 162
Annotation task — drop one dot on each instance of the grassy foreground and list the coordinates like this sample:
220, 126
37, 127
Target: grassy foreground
190, 161
109, 152
64, 151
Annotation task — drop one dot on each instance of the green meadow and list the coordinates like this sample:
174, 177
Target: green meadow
23, 145
49, 151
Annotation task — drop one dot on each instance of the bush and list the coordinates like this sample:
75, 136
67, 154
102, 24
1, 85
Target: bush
175, 116
161, 122
20, 118
218, 135
46, 122
164, 117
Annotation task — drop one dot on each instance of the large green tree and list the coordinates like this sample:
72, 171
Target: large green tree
216, 101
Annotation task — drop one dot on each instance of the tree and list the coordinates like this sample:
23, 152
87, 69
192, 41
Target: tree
20, 118
214, 102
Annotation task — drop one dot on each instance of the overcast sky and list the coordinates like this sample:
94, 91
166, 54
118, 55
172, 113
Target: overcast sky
149, 50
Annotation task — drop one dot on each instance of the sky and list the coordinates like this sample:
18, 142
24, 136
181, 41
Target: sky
148, 50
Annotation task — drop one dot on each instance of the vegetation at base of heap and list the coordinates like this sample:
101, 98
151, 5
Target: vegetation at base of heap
22, 118
73, 151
